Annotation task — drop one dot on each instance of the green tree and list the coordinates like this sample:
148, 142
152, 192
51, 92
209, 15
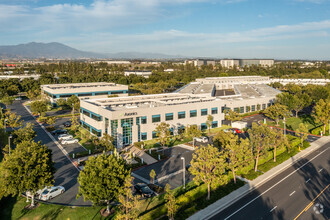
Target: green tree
39, 107
51, 121
276, 112
171, 203
24, 134
277, 139
74, 124
208, 166
300, 101
163, 133
12, 120
128, 202
61, 102
259, 139
286, 99
152, 175
231, 116
209, 122
237, 150
102, 179
302, 132
28, 168
7, 100
321, 113
192, 131
33, 94
74, 103
106, 142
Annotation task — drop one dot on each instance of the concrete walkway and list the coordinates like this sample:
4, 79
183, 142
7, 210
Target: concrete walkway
142, 155
236, 195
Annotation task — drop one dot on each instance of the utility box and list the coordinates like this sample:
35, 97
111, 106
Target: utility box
239, 124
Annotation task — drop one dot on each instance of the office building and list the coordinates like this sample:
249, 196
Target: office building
144, 73
134, 118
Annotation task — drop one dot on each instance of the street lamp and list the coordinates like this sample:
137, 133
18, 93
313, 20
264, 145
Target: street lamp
184, 175
9, 137
284, 127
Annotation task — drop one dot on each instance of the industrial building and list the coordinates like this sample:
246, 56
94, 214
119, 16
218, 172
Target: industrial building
230, 63
83, 90
144, 73
134, 118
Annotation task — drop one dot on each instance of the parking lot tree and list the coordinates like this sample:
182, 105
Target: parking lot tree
29, 167
237, 150
12, 120
171, 202
33, 94
74, 103
61, 102
193, 131
128, 202
24, 134
7, 100
209, 166
51, 121
276, 112
106, 142
163, 133
302, 132
259, 140
102, 179
39, 107
152, 175
321, 113
231, 116
209, 121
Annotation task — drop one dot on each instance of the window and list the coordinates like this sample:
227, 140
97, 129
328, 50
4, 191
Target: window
204, 111
223, 109
247, 108
269, 104
193, 113
96, 118
253, 108
155, 118
236, 110
117, 92
263, 106
214, 110
101, 93
154, 134
143, 120
65, 96
169, 116
181, 115
203, 126
144, 136
214, 124
241, 109
86, 94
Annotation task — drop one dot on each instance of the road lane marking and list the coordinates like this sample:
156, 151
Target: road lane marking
275, 185
308, 180
312, 202
273, 209
292, 193
320, 170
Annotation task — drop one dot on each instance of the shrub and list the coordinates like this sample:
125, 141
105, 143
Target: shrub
138, 144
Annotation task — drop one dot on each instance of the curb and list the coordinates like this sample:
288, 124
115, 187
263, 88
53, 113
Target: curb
236, 195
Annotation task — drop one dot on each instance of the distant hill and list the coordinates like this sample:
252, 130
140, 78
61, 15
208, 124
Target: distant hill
60, 51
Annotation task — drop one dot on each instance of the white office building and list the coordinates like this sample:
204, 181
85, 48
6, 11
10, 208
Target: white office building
144, 73
134, 118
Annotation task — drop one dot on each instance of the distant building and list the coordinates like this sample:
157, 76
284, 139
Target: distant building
144, 73
112, 61
229, 63
168, 70
200, 62
20, 77
83, 90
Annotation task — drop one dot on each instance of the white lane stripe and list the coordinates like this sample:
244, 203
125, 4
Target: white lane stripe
308, 180
292, 193
273, 209
275, 185
320, 170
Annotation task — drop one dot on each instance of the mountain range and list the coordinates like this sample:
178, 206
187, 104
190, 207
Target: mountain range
57, 50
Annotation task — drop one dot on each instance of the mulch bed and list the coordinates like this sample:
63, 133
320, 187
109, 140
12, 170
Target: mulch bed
29, 207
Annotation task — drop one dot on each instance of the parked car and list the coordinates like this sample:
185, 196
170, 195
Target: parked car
59, 131
18, 98
144, 190
188, 166
70, 141
65, 137
233, 130
202, 139
67, 124
51, 192
37, 194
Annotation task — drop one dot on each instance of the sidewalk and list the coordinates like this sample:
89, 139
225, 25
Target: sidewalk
142, 155
236, 195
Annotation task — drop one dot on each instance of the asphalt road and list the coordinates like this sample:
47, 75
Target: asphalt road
66, 173
288, 194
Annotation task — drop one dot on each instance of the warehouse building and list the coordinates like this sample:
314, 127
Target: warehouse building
83, 90
134, 118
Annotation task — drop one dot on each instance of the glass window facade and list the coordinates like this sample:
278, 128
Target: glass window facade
169, 116
155, 118
204, 111
114, 126
143, 120
236, 110
126, 124
193, 113
203, 126
241, 109
181, 115
214, 124
253, 108
144, 136
214, 111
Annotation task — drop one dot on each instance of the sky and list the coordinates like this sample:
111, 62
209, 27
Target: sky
279, 29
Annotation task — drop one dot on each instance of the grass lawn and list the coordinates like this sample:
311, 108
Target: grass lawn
13, 208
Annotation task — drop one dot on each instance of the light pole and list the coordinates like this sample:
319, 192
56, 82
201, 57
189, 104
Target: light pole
9, 137
184, 173
284, 127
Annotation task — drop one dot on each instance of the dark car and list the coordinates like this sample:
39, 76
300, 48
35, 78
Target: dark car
144, 190
59, 131
188, 166
67, 124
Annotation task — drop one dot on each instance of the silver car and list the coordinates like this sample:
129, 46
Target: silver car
70, 141
65, 137
51, 192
